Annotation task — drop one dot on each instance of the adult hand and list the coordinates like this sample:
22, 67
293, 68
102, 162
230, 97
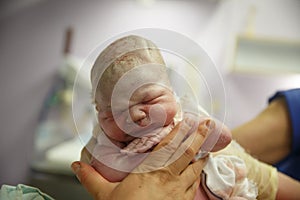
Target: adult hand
167, 173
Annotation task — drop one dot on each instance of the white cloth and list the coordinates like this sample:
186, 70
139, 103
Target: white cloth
225, 177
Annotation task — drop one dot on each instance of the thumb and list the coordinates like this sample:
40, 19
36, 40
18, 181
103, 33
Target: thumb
92, 181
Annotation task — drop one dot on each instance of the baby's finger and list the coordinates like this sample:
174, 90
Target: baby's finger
175, 138
131, 147
165, 149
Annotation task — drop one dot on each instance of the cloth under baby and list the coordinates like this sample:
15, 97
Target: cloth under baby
223, 177
21, 191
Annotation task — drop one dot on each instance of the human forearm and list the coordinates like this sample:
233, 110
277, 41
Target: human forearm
268, 136
288, 188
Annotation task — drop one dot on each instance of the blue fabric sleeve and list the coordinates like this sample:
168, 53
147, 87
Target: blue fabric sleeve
292, 98
291, 164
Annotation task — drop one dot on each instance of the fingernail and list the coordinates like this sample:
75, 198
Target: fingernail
210, 124
204, 128
75, 168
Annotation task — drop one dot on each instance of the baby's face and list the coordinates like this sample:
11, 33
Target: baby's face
150, 106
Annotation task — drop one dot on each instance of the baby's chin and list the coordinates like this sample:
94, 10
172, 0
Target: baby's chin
151, 129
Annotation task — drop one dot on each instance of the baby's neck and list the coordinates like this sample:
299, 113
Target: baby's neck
117, 143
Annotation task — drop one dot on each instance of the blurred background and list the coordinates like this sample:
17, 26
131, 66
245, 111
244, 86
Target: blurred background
254, 44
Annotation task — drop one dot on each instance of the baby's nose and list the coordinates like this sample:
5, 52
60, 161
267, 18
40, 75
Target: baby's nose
138, 115
146, 115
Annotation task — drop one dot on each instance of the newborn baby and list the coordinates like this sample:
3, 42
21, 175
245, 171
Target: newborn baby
137, 108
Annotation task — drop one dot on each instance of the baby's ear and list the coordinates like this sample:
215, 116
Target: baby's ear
97, 106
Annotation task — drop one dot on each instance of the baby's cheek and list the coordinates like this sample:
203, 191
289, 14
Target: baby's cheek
171, 112
112, 129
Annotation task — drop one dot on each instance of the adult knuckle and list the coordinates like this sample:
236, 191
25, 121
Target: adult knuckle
185, 127
170, 148
195, 170
189, 152
161, 145
164, 176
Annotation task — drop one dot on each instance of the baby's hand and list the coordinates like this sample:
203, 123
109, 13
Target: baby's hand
143, 144
219, 137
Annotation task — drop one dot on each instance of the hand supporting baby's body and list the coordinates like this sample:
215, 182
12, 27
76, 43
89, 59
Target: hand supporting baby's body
224, 176
115, 162
219, 138
134, 153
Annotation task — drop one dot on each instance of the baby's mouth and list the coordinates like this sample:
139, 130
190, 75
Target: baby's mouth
148, 141
142, 131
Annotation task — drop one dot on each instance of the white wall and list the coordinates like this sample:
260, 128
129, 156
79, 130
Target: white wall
31, 43
247, 94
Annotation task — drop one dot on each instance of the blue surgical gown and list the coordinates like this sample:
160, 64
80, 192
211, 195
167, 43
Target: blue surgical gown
290, 165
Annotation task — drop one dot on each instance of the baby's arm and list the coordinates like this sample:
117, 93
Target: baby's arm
218, 138
112, 175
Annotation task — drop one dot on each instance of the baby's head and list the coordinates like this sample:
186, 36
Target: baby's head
131, 74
